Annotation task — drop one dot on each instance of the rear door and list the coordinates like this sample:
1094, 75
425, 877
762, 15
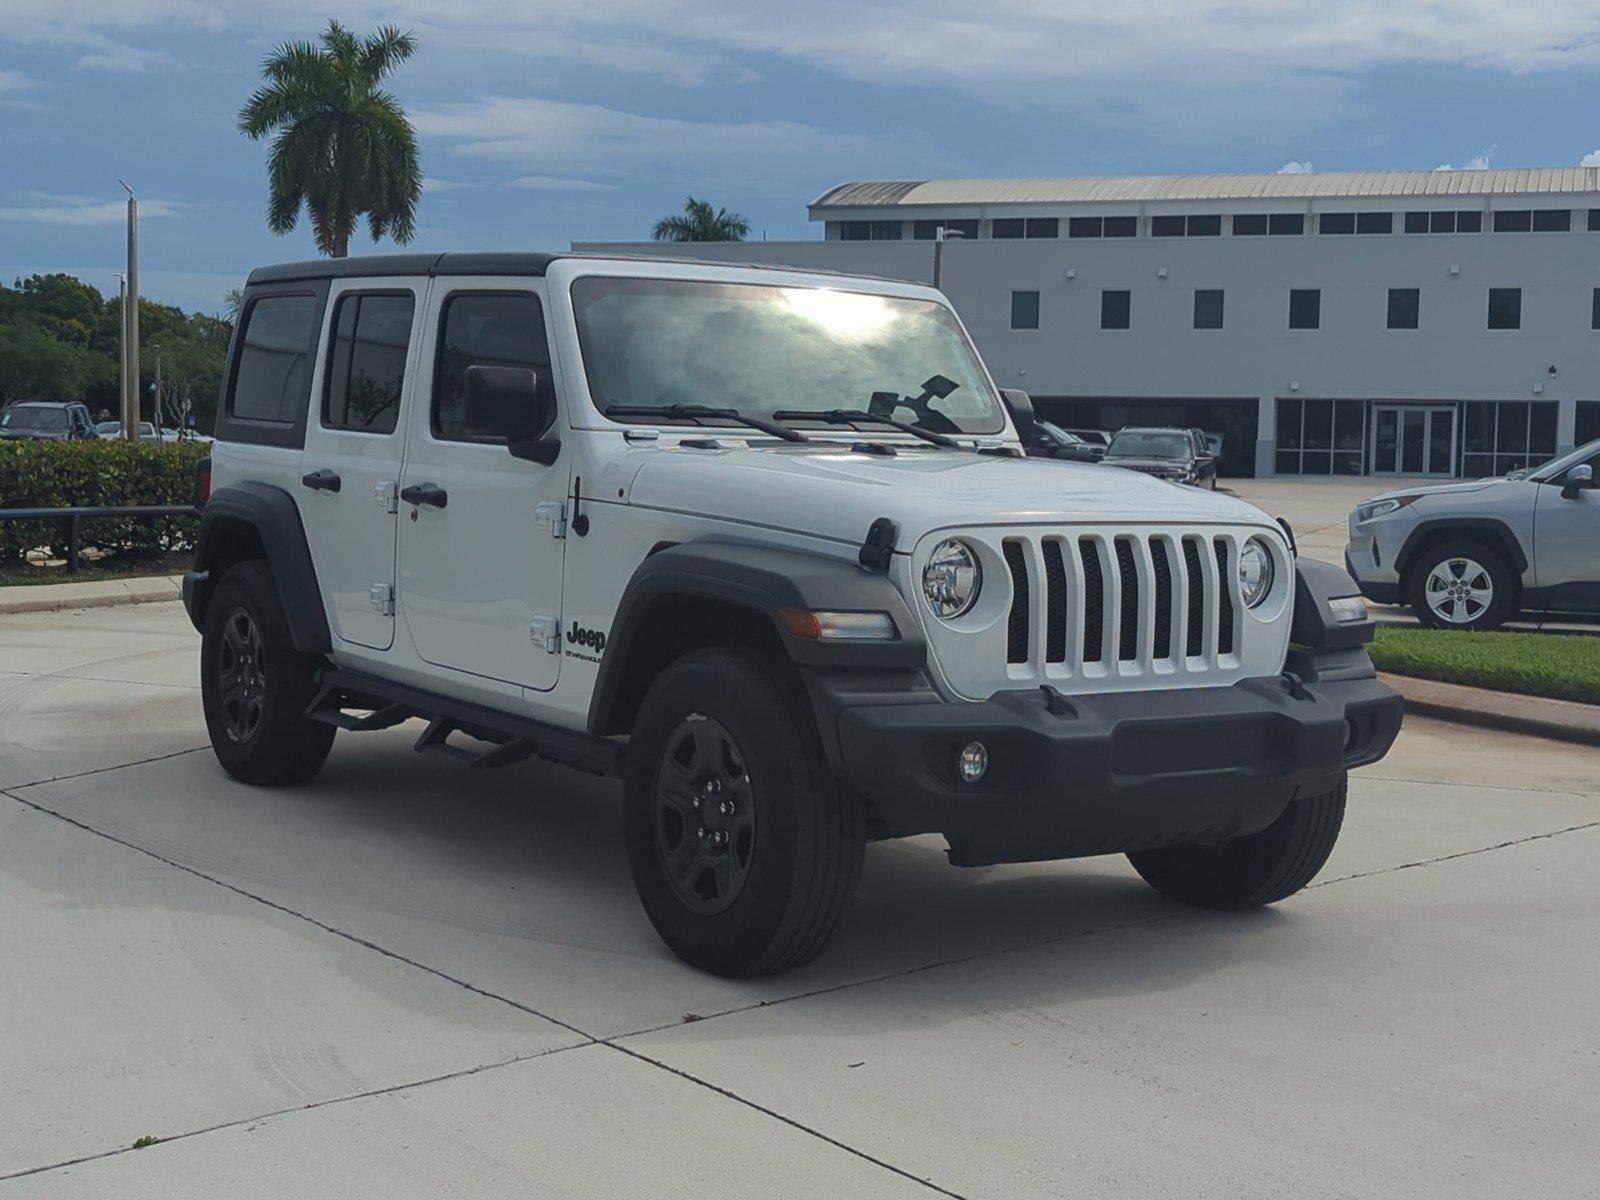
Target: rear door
480, 575
350, 468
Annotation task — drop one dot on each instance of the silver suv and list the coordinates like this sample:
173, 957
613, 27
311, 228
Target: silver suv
1469, 555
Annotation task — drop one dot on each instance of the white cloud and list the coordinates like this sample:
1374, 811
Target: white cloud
1296, 168
1591, 159
1478, 162
46, 208
591, 140
434, 187
556, 183
16, 91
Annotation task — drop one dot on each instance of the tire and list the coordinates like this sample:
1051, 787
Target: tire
720, 727
255, 686
1476, 566
1257, 869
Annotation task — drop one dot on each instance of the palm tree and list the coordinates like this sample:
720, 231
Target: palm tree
701, 223
340, 145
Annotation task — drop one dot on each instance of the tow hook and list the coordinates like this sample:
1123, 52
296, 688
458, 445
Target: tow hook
1296, 686
1055, 703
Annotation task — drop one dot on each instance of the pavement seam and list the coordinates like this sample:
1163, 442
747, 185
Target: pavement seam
589, 1039
299, 1108
67, 674
1495, 787
1444, 858
138, 762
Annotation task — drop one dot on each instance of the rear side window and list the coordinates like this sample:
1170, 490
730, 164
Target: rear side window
485, 329
272, 381
367, 361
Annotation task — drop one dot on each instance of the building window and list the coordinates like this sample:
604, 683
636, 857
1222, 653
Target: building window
869, 231
1085, 227
886, 231
1506, 435
1588, 426
1305, 308
1375, 222
1206, 225
1024, 310
1594, 309
1249, 224
1255, 224
1286, 223
1116, 309
1209, 225
1336, 223
1552, 220
1405, 306
1505, 308
1042, 227
1008, 227
1321, 437
1417, 222
1594, 220
1167, 226
1208, 308
925, 231
1122, 226
1470, 221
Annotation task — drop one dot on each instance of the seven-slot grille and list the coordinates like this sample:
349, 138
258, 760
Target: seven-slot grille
1099, 603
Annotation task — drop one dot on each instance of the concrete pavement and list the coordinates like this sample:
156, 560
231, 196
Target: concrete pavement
404, 979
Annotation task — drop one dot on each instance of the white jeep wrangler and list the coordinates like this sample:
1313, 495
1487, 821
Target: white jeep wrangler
763, 544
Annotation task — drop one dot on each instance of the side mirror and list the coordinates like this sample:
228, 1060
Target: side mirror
506, 402
1020, 405
1576, 480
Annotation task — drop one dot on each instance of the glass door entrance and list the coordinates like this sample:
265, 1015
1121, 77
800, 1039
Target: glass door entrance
1413, 439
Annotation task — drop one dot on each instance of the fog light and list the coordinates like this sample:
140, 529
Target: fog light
972, 764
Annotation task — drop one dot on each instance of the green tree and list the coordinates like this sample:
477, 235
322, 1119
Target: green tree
699, 222
341, 146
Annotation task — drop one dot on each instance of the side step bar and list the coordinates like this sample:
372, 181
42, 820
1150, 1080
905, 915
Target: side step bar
382, 704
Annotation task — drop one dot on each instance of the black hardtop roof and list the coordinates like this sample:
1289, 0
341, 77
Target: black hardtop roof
493, 262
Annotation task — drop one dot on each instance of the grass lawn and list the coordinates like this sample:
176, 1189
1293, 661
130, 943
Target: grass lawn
1562, 666
21, 575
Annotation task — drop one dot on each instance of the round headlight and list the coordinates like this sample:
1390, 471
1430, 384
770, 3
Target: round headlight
951, 580
1256, 570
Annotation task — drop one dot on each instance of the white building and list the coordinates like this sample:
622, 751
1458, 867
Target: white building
1375, 322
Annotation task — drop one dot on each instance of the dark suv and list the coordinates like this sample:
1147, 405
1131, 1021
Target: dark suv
1172, 454
51, 420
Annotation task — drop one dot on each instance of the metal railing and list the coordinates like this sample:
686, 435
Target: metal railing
75, 517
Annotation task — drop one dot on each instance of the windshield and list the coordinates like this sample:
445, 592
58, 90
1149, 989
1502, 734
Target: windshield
1552, 469
762, 348
1145, 444
34, 418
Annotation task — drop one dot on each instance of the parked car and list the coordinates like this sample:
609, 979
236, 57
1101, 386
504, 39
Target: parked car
785, 576
1051, 441
1172, 454
1470, 555
147, 432
48, 419
1096, 439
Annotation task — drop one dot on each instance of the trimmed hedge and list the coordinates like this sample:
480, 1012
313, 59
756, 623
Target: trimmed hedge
44, 474
1562, 666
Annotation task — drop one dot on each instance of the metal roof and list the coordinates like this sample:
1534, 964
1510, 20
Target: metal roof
1139, 188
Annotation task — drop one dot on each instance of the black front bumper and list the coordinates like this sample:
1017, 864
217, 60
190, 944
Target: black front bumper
1102, 774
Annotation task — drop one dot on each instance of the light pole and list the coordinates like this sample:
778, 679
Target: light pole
939, 236
122, 343
130, 328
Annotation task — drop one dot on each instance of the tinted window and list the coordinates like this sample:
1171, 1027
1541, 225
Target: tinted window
1520, 221
1208, 226
272, 381
886, 231
1594, 309
1305, 308
1374, 222
28, 417
926, 231
1084, 227
1337, 223
1442, 222
485, 330
1043, 227
855, 231
1115, 309
1122, 226
367, 362
1008, 227
1291, 223
1166, 226
1024, 310
1505, 308
1552, 220
1208, 309
1594, 220
1416, 222
1404, 307
1469, 222
1250, 223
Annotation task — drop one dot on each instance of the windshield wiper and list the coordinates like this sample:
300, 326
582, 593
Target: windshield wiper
853, 416
702, 412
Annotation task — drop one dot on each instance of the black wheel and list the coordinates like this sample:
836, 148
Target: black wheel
1259, 868
1461, 585
742, 846
255, 686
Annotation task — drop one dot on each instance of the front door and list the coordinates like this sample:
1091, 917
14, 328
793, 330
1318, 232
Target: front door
479, 574
1566, 538
350, 467
1410, 439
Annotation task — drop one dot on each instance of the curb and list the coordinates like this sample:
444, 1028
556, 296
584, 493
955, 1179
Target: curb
54, 597
1532, 716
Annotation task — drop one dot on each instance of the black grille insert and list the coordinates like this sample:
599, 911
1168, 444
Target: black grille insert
1224, 600
1055, 591
1093, 600
1021, 618
1194, 643
1162, 574
1128, 628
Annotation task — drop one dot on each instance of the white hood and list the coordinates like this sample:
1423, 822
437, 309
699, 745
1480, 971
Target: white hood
829, 490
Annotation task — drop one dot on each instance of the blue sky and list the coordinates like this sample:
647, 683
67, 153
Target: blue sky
542, 124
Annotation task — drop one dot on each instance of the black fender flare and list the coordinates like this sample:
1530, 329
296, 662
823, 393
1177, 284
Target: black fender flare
765, 580
1315, 626
274, 516
1491, 528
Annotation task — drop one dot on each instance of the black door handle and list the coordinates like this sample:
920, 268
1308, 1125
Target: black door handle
321, 481
425, 493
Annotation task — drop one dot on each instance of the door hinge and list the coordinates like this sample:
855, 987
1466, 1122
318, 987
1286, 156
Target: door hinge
387, 494
382, 599
551, 515
546, 632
